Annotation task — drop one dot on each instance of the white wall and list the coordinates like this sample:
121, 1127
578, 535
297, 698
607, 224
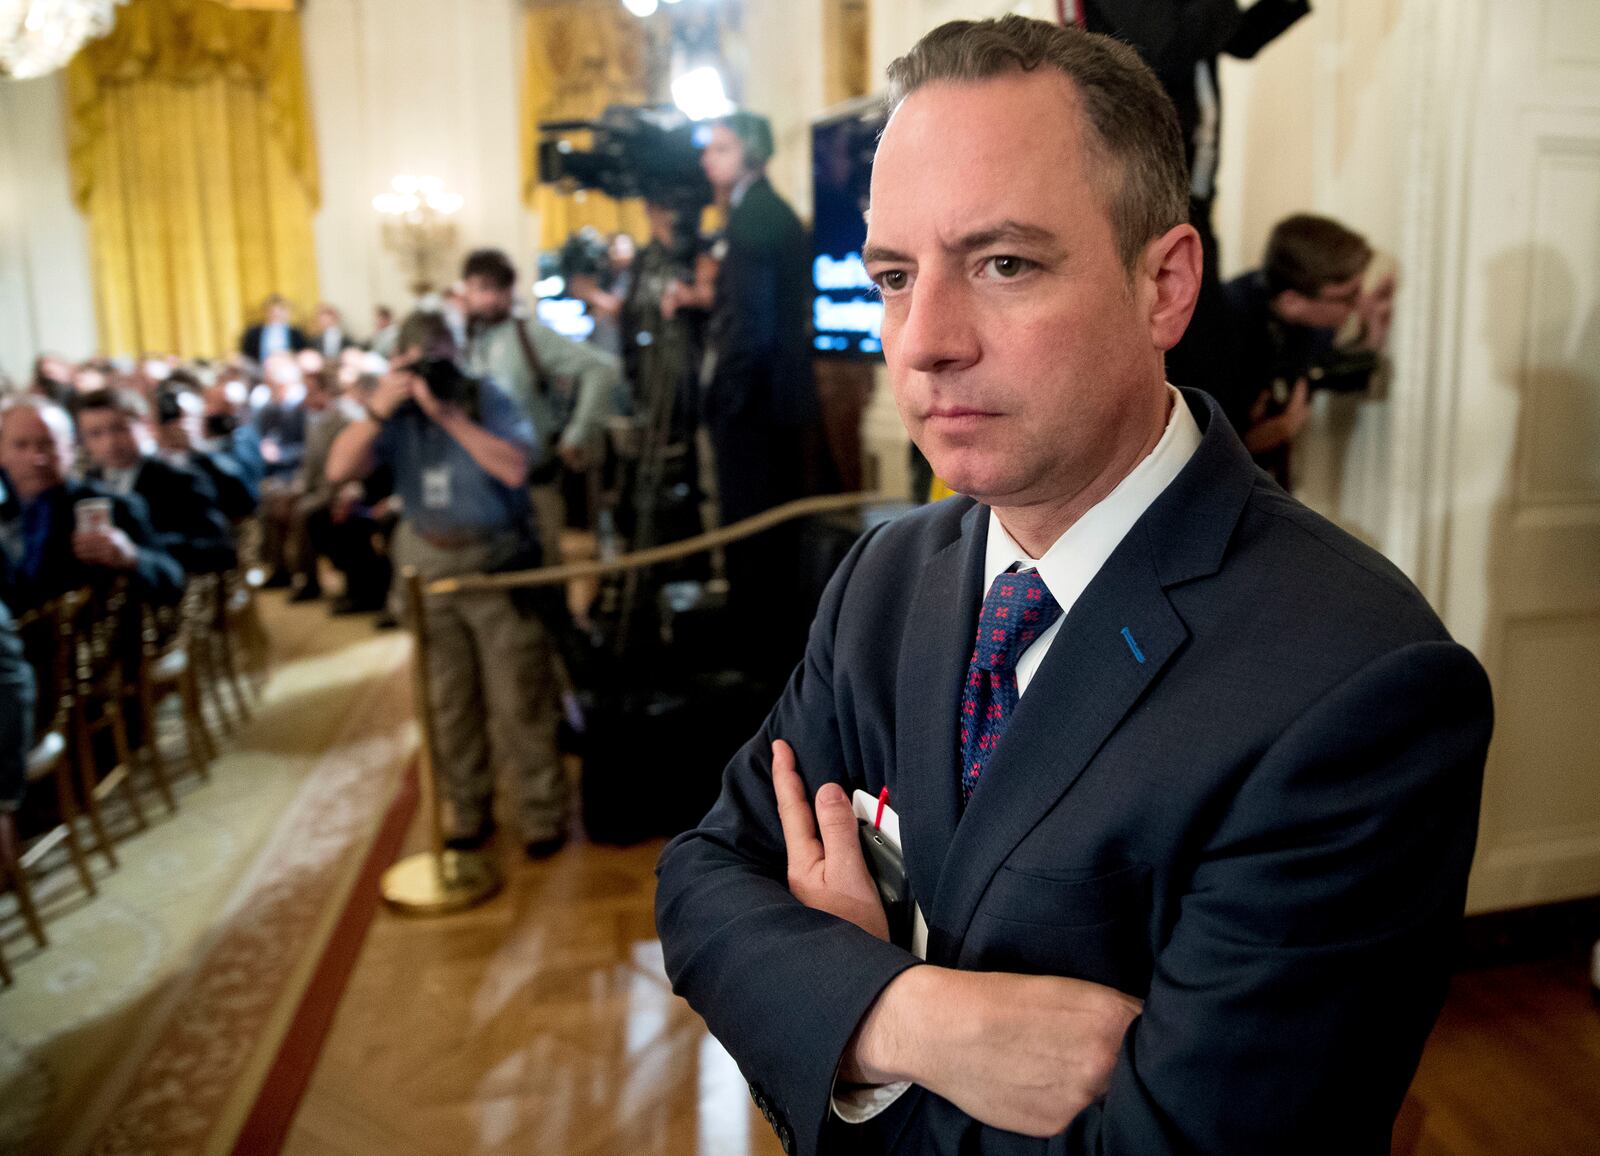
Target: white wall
46, 299
396, 86
786, 86
419, 87
1324, 120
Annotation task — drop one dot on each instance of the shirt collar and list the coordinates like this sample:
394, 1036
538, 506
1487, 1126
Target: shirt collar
740, 188
121, 481
1073, 559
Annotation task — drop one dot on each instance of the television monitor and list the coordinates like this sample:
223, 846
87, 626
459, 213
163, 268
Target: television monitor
846, 311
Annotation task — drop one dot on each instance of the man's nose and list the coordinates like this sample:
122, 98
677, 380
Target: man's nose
936, 333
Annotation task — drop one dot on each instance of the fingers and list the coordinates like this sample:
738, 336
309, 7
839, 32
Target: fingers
841, 846
794, 812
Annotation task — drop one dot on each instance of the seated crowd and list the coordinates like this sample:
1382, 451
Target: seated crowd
128, 492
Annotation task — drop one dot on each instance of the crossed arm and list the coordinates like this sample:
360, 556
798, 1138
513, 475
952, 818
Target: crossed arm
1021, 1053
1291, 994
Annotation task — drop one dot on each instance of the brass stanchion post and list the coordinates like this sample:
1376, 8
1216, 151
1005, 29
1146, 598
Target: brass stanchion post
435, 881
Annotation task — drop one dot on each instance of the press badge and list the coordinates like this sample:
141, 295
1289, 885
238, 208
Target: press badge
436, 488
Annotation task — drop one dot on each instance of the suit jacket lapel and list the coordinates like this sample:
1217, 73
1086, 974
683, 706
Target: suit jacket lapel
933, 665
1090, 679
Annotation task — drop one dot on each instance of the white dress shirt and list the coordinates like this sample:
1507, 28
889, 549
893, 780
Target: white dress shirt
121, 481
1073, 559
1066, 569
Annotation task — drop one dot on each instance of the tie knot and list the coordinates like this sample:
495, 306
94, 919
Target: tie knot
1017, 609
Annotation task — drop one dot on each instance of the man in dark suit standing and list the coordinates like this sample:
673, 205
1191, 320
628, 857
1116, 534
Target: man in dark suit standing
113, 425
1185, 779
51, 549
757, 387
274, 335
757, 392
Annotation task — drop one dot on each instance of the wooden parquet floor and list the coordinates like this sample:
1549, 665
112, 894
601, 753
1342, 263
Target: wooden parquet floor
1512, 1067
542, 1023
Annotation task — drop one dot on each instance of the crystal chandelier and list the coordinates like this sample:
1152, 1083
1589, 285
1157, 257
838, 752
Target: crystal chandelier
418, 225
40, 36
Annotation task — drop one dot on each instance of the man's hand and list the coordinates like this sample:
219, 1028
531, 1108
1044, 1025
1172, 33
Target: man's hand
1023, 1053
827, 874
438, 412
109, 547
393, 390
1268, 433
1376, 309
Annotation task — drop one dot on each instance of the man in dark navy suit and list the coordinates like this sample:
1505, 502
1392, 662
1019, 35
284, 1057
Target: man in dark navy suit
758, 396
757, 389
275, 334
1186, 779
113, 425
49, 552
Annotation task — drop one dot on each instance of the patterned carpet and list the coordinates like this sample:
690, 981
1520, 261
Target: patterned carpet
149, 1023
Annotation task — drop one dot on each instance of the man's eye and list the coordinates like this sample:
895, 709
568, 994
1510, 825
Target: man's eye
1006, 267
893, 280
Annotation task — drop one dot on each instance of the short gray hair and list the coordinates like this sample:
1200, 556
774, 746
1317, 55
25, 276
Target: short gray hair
1134, 126
54, 416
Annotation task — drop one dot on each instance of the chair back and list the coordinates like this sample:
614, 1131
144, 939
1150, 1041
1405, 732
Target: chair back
49, 634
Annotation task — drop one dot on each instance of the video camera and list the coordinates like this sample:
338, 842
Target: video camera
648, 152
585, 254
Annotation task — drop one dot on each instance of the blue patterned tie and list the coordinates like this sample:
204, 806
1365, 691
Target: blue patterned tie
1017, 609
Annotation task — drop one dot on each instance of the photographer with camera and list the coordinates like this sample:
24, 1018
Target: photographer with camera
460, 450
564, 386
1289, 319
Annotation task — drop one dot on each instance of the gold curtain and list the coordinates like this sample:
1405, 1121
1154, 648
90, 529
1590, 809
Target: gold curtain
194, 163
577, 59
846, 30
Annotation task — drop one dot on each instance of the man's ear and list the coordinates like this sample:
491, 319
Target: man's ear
1171, 269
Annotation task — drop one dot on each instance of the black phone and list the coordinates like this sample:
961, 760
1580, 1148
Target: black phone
888, 869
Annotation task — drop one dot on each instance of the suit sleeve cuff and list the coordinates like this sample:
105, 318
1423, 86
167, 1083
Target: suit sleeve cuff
858, 1103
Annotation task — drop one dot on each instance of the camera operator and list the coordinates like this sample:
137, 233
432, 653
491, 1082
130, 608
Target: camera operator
461, 451
566, 387
1287, 319
758, 390
599, 273
758, 397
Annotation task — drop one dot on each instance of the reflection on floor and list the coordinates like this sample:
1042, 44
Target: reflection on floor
542, 1022
539, 1022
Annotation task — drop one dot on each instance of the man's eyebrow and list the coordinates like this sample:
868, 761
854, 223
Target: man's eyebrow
1006, 230
1000, 232
879, 253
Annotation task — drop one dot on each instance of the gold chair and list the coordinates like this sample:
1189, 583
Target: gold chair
248, 648
47, 635
49, 638
204, 611
102, 649
166, 669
